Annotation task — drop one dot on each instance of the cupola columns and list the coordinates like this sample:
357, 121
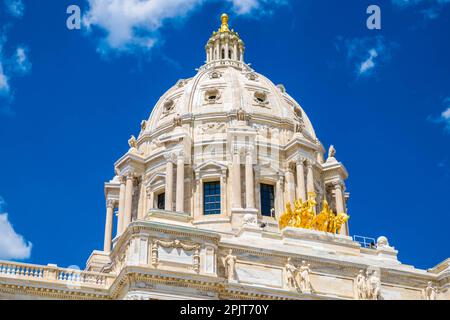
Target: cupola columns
225, 44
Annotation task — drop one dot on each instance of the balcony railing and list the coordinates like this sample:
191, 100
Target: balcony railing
54, 273
365, 242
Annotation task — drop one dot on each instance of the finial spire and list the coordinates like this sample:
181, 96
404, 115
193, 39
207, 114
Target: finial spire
224, 27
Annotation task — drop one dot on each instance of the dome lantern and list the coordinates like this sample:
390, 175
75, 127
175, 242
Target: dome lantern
225, 44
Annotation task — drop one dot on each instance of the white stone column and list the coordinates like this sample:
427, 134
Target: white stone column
226, 51
241, 56
301, 190
279, 196
249, 181
121, 215
169, 186
223, 192
236, 181
150, 199
235, 53
310, 177
110, 204
340, 204
180, 184
218, 57
290, 187
128, 199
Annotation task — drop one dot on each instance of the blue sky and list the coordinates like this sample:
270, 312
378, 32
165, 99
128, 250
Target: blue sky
69, 100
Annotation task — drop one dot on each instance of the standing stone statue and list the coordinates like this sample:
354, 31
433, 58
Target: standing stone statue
291, 273
133, 144
331, 152
361, 286
230, 263
430, 291
375, 286
305, 284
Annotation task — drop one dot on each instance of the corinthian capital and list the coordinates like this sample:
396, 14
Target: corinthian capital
170, 156
309, 163
338, 184
110, 203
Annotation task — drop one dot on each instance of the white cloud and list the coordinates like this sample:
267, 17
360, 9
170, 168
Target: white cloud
12, 245
21, 62
4, 85
15, 7
430, 9
444, 117
365, 54
134, 25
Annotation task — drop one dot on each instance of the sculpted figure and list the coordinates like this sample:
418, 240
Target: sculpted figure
286, 217
133, 144
177, 120
339, 221
322, 220
241, 114
430, 291
375, 286
230, 263
331, 152
308, 213
305, 284
361, 286
291, 272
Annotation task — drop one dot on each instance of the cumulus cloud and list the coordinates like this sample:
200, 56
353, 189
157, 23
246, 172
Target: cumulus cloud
12, 63
444, 117
12, 244
21, 62
134, 25
366, 54
16, 8
4, 85
430, 9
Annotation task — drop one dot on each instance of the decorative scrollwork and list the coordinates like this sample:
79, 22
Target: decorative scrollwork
176, 244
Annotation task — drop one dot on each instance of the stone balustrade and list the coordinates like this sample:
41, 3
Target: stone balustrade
55, 274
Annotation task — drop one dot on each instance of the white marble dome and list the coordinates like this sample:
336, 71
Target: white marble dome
222, 87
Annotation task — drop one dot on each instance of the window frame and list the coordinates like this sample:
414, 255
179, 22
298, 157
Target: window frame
214, 198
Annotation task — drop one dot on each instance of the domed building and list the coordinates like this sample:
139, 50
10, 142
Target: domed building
227, 193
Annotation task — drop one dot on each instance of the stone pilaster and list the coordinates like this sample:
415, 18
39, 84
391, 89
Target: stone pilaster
121, 215
180, 184
249, 181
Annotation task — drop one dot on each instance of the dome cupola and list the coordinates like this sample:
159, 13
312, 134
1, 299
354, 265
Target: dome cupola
225, 44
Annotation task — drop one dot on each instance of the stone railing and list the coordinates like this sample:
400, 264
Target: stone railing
70, 277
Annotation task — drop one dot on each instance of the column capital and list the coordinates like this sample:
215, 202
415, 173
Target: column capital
338, 184
131, 175
170, 157
310, 163
110, 203
300, 160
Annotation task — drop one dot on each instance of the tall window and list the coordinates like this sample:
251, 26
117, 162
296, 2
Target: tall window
161, 201
211, 197
267, 199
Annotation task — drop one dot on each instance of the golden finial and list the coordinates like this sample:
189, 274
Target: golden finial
224, 27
